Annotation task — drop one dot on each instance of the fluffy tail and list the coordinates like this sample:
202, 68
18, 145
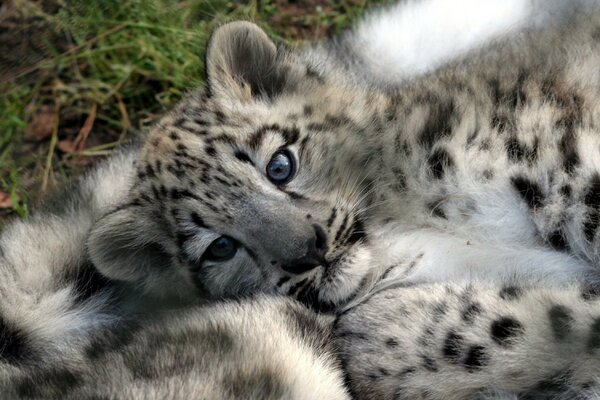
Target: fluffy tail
414, 37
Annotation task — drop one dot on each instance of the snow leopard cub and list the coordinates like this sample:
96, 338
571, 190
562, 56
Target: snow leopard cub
284, 177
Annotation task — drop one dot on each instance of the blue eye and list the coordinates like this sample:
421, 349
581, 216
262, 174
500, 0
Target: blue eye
221, 249
281, 168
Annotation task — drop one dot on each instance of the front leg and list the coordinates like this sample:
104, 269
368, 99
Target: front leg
450, 341
454, 258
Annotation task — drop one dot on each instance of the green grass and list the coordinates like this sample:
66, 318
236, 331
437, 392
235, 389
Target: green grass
129, 60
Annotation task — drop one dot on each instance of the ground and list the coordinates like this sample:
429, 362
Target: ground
78, 77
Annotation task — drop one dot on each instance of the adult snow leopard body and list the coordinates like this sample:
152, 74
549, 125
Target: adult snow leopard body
195, 172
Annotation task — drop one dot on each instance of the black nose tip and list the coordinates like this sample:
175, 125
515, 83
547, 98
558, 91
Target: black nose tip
315, 255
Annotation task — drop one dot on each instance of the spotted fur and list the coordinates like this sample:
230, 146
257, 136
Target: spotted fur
541, 344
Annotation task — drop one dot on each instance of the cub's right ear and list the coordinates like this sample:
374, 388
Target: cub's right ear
242, 63
124, 246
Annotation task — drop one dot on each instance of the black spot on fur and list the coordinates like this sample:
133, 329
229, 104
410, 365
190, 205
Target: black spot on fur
566, 191
518, 152
568, 150
13, 343
528, 190
558, 241
150, 171
374, 377
592, 201
429, 364
392, 343
337, 120
488, 174
295, 195
199, 121
314, 74
594, 339
500, 121
517, 95
476, 358
290, 135
560, 321
48, 384
453, 346
438, 311
510, 293
406, 371
471, 311
440, 161
590, 293
178, 194
257, 137
244, 157
505, 330
198, 221
220, 116
511, 96
211, 151
439, 122
550, 388
515, 150
436, 210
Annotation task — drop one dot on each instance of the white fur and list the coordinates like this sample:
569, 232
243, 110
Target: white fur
415, 37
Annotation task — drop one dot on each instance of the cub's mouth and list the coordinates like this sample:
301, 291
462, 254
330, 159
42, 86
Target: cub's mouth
327, 279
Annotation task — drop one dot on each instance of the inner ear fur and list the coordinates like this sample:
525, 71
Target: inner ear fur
121, 245
243, 63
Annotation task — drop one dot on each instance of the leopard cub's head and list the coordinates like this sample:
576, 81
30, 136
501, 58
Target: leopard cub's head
252, 184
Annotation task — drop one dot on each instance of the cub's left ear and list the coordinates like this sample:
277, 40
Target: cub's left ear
243, 63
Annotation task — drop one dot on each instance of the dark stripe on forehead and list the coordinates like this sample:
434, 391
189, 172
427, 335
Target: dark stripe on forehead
222, 138
290, 135
243, 156
196, 219
257, 137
